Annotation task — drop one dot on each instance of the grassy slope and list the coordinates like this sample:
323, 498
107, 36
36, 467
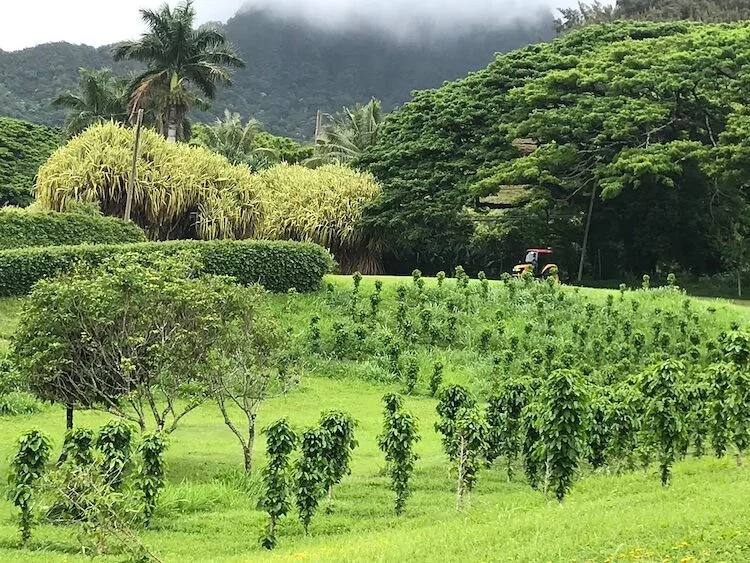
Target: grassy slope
204, 517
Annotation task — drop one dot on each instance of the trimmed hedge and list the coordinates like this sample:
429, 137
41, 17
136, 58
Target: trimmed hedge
20, 229
277, 265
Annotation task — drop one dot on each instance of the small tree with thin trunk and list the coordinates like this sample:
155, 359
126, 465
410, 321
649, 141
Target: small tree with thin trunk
251, 368
310, 474
664, 416
280, 443
397, 441
562, 417
470, 447
135, 337
451, 402
338, 450
26, 469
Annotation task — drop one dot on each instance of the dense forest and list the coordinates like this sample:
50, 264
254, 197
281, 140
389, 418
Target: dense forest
655, 10
519, 153
293, 70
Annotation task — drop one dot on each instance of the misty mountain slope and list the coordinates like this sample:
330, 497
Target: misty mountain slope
293, 69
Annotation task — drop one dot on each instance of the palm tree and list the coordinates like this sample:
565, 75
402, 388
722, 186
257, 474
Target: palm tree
236, 140
101, 96
182, 64
348, 134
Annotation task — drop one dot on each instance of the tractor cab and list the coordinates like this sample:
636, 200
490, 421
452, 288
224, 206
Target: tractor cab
537, 261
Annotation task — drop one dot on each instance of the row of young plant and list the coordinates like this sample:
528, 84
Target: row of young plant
324, 459
555, 424
517, 327
96, 482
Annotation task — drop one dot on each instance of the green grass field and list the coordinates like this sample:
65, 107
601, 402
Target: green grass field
207, 512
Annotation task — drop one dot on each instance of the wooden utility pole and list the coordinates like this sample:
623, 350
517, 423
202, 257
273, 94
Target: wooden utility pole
586, 233
318, 125
134, 168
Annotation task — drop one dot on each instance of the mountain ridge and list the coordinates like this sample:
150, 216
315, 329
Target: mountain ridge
293, 69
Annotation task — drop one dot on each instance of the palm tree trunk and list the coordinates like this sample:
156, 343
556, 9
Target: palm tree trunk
172, 125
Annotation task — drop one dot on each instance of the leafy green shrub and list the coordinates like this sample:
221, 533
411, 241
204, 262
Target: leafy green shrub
26, 468
20, 228
397, 441
150, 479
277, 265
280, 443
23, 149
16, 403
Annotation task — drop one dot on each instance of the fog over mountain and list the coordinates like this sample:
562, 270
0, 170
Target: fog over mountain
302, 55
410, 19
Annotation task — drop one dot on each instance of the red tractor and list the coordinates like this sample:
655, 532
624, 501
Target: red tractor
538, 262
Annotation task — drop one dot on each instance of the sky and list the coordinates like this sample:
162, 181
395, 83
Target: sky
25, 23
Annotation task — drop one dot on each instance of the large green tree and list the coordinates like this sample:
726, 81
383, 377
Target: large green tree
101, 96
604, 125
183, 65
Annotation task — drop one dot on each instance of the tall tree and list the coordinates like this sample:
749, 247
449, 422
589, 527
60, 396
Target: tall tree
182, 64
101, 96
348, 134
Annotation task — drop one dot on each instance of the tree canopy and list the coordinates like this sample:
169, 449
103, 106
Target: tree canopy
23, 148
182, 63
587, 13
101, 96
525, 144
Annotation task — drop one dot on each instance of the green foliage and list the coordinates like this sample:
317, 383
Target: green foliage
348, 134
23, 149
397, 441
337, 452
470, 438
664, 411
280, 443
182, 63
277, 265
287, 150
237, 141
114, 442
21, 228
311, 473
436, 379
451, 401
172, 330
720, 377
26, 469
522, 140
588, 13
18, 403
77, 447
101, 97
150, 480
563, 413
504, 420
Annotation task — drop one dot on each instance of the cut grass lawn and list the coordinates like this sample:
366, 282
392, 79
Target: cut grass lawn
207, 512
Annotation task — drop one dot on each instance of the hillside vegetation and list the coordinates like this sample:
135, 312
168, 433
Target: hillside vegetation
286, 82
208, 508
24, 147
655, 144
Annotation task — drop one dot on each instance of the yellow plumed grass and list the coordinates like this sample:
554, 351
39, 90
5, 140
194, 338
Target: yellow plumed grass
185, 191
322, 205
179, 190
